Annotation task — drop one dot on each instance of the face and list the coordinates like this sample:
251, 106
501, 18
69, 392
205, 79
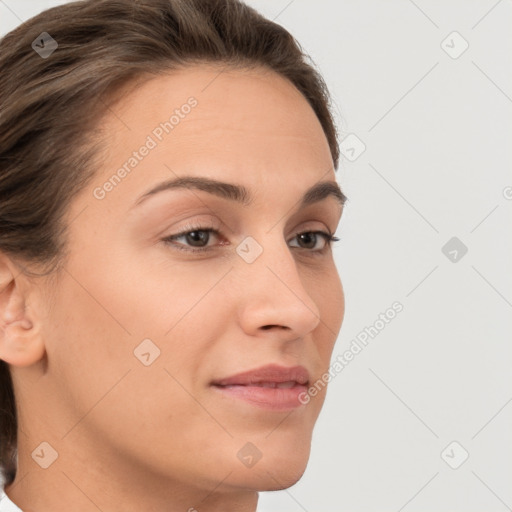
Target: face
168, 296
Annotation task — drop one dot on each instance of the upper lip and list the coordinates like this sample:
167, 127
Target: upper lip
269, 373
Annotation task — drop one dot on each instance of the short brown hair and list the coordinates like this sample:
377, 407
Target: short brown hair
49, 107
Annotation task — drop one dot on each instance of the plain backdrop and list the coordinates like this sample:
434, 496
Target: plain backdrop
421, 418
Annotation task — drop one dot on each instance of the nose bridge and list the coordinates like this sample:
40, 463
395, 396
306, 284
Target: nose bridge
275, 293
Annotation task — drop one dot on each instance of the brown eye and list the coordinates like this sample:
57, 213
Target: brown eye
197, 238
308, 240
192, 239
311, 239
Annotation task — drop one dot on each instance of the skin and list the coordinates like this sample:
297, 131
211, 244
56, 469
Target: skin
159, 435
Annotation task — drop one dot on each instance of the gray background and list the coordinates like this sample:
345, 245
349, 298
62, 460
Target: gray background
437, 128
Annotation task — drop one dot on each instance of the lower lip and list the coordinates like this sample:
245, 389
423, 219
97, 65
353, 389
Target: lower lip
278, 399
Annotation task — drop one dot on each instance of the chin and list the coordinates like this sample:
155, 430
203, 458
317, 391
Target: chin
274, 479
284, 478
273, 473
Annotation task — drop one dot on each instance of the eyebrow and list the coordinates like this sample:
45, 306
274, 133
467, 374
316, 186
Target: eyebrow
239, 193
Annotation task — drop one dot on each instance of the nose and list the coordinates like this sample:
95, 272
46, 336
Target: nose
274, 297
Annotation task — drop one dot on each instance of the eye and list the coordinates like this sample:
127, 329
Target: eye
195, 239
312, 239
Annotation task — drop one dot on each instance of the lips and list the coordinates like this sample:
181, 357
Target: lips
270, 387
268, 376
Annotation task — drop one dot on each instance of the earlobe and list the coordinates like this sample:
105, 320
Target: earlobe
20, 340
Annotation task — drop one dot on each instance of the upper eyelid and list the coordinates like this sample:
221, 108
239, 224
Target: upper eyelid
219, 225
219, 231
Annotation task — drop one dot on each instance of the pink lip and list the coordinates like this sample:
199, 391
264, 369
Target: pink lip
271, 387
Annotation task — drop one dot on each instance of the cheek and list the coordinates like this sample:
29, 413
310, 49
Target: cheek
336, 307
104, 388
85, 340
146, 291
135, 306
327, 291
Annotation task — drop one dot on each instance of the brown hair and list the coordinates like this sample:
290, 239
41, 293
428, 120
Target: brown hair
50, 106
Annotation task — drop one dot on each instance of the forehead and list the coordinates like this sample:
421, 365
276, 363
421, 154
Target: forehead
245, 125
218, 89
232, 105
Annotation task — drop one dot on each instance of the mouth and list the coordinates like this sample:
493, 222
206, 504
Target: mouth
271, 387
279, 385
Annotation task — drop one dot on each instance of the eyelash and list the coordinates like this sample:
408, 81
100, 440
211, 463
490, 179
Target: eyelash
169, 240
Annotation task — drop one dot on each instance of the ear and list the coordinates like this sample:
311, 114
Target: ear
20, 340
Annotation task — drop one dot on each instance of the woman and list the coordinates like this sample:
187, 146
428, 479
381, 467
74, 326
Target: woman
169, 300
